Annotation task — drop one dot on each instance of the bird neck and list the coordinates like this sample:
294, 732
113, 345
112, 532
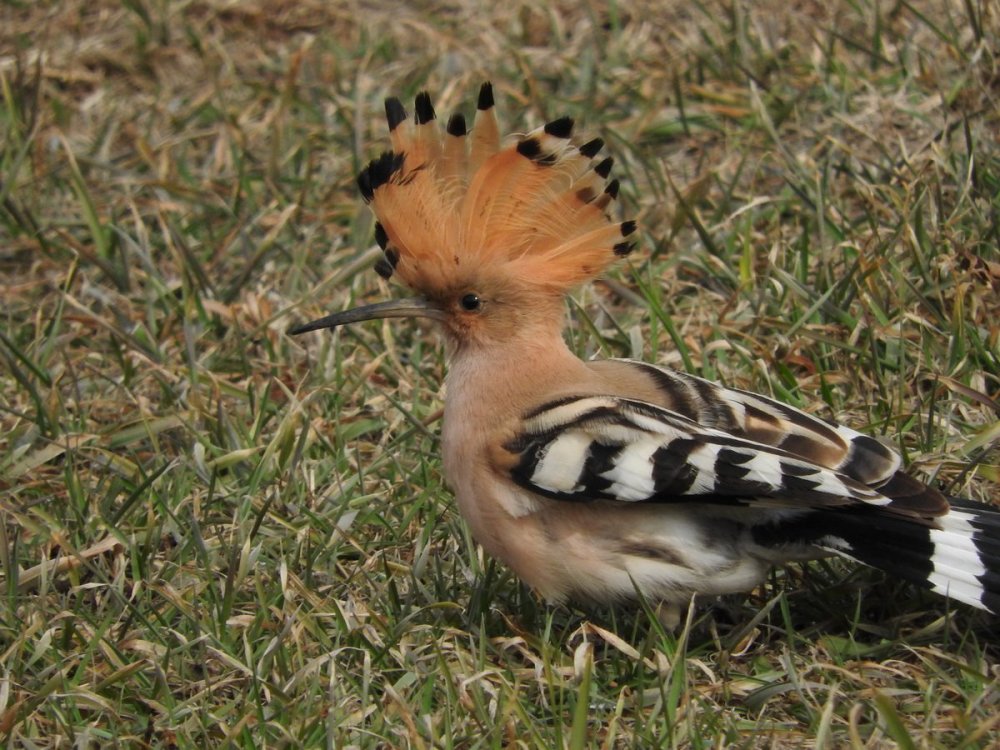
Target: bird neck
491, 384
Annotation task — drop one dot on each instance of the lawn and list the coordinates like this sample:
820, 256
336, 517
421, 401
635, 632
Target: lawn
216, 535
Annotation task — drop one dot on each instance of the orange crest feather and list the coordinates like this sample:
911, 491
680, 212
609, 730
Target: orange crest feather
538, 211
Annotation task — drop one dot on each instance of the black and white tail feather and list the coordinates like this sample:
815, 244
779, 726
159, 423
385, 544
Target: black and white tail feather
812, 488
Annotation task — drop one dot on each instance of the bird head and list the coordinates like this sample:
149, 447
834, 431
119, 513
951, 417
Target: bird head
490, 237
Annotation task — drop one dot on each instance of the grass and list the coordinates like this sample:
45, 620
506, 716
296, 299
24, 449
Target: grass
214, 535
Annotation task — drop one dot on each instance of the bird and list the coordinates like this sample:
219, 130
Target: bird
604, 481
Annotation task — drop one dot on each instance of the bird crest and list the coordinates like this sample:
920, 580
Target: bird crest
538, 211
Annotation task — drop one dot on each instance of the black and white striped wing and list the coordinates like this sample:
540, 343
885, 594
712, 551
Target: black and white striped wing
606, 447
764, 420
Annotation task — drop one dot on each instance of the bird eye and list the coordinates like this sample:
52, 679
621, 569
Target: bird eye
470, 302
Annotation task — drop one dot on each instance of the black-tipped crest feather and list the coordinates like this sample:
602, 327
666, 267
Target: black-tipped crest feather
456, 125
485, 100
561, 128
529, 148
395, 112
604, 168
423, 108
378, 172
380, 236
590, 149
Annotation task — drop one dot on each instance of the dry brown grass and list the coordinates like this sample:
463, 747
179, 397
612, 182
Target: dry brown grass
214, 535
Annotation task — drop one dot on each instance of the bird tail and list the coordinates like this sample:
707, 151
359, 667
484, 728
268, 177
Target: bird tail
956, 554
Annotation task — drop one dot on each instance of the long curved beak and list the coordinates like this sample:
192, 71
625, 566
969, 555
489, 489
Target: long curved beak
413, 307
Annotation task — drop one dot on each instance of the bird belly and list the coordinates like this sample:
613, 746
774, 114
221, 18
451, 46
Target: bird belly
612, 551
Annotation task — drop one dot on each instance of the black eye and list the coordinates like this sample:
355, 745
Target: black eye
470, 302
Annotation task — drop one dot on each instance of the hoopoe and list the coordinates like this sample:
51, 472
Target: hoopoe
599, 480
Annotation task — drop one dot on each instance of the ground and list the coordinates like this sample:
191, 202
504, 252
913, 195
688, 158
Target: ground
215, 535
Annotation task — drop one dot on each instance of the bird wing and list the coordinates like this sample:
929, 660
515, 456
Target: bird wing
764, 420
613, 448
